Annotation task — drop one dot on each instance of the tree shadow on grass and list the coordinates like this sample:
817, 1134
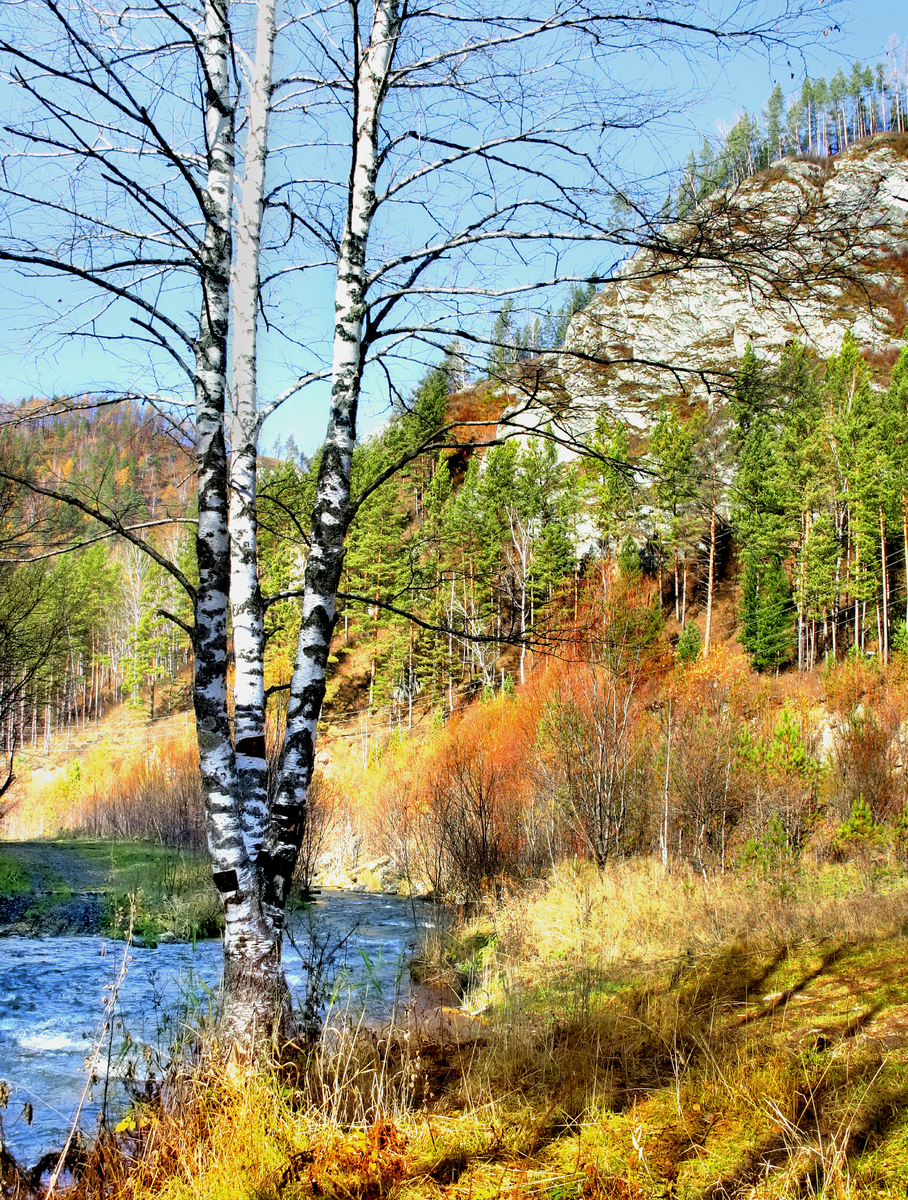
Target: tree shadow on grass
828, 961
822, 1137
667, 1034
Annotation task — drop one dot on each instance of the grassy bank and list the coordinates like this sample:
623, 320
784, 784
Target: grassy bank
160, 890
625, 1035
94, 886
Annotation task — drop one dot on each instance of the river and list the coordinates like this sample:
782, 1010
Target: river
54, 993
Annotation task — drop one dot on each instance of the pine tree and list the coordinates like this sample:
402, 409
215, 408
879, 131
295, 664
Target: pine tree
807, 489
503, 341
852, 409
673, 491
774, 115
759, 515
610, 476
766, 618
897, 408
579, 297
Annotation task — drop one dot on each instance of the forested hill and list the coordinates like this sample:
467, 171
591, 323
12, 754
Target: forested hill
771, 514
777, 522
122, 459
81, 624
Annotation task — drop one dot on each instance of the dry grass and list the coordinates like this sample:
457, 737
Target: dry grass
640, 1037
635, 915
118, 788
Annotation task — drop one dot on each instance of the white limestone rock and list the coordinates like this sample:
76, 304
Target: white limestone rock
805, 251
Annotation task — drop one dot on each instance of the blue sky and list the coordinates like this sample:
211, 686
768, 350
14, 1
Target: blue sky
35, 366
865, 32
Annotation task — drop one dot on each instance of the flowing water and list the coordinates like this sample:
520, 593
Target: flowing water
54, 993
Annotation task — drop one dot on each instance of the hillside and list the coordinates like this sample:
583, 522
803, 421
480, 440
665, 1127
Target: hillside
805, 251
770, 516
120, 458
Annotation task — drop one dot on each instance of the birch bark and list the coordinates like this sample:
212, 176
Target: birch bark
330, 518
253, 981
247, 611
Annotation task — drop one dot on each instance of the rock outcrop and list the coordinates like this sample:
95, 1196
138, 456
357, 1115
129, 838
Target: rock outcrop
805, 251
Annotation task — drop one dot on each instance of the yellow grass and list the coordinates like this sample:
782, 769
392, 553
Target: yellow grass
634, 1036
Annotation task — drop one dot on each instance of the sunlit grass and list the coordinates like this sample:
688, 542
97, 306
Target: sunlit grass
636, 1036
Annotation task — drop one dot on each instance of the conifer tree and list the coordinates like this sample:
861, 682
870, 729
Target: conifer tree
897, 409
774, 116
713, 451
759, 516
852, 410
809, 488
611, 480
503, 341
673, 492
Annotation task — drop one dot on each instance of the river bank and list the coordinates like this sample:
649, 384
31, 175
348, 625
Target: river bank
633, 1036
92, 888
626, 1035
79, 887
57, 994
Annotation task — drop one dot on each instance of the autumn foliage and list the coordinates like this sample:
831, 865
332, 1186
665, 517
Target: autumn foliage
615, 748
128, 788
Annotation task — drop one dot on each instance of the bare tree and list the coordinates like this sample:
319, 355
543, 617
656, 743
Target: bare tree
430, 161
593, 756
31, 638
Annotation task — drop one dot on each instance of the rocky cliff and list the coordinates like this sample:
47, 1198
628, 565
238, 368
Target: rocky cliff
806, 250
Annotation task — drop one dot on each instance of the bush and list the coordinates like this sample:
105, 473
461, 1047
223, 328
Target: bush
899, 639
152, 794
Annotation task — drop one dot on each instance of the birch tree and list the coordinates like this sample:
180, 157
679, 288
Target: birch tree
431, 163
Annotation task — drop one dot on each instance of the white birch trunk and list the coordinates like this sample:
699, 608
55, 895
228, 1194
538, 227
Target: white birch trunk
245, 595
253, 982
331, 511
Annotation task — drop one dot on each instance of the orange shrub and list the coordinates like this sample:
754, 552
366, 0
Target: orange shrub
151, 792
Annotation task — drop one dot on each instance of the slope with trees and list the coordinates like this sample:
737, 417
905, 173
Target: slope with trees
164, 214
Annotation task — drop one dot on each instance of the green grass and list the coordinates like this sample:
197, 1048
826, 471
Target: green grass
13, 880
159, 889
153, 887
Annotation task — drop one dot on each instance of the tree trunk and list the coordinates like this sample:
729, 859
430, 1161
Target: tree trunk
884, 640
905, 544
253, 977
253, 980
247, 611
